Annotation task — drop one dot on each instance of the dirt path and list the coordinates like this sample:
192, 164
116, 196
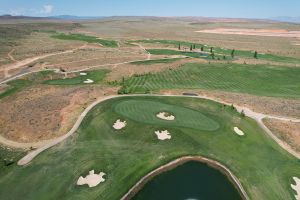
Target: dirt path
9, 55
144, 50
27, 61
249, 113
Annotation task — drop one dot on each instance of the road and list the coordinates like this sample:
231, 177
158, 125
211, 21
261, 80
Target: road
249, 113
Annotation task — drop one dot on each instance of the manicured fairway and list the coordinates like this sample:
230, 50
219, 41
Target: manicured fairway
222, 51
151, 62
174, 52
253, 79
264, 169
97, 76
86, 38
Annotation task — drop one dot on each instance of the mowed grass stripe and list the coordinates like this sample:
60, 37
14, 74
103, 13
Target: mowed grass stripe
253, 79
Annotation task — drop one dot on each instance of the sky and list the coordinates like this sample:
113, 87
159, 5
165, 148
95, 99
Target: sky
207, 8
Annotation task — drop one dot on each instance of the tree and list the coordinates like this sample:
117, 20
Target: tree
179, 46
255, 55
191, 48
202, 48
232, 53
194, 46
211, 49
243, 113
212, 55
224, 57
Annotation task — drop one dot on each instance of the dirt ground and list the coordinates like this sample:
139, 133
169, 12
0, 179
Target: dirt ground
256, 32
260, 104
285, 130
45, 112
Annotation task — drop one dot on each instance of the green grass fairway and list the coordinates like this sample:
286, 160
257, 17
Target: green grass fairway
221, 51
137, 111
86, 38
15, 86
253, 79
264, 169
158, 61
173, 52
97, 76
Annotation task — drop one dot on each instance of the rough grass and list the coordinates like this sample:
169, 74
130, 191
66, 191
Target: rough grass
158, 61
253, 79
97, 76
86, 38
15, 86
264, 169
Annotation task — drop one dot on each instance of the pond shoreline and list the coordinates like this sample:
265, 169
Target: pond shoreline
180, 161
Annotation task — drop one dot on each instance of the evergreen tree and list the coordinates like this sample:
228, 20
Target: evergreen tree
202, 48
191, 48
232, 53
211, 49
179, 46
255, 55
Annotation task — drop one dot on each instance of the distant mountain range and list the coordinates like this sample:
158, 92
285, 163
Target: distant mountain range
286, 19
74, 17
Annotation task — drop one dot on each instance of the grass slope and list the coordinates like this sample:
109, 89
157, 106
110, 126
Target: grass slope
264, 169
86, 38
152, 62
97, 76
174, 52
253, 79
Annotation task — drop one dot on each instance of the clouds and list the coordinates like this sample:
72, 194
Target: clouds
47, 9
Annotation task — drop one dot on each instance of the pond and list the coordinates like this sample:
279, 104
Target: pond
190, 181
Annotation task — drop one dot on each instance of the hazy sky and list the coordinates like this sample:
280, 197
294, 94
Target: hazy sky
209, 8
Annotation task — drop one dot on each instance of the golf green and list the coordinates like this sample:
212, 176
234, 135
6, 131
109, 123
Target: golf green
263, 168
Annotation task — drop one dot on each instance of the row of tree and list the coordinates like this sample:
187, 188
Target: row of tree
193, 46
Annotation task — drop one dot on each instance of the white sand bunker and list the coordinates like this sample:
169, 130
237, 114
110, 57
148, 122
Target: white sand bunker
92, 179
238, 131
163, 135
165, 116
88, 81
83, 74
119, 124
296, 187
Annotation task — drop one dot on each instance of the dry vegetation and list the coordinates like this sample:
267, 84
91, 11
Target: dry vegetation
285, 130
45, 112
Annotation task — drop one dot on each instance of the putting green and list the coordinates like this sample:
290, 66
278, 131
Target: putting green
146, 111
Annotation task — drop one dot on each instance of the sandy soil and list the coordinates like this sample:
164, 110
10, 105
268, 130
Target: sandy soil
296, 187
165, 116
163, 135
118, 125
238, 131
91, 179
255, 32
286, 130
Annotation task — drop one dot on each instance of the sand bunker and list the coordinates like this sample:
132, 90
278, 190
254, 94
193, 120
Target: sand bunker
163, 135
83, 74
91, 179
165, 116
88, 81
119, 124
296, 187
238, 131
255, 32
